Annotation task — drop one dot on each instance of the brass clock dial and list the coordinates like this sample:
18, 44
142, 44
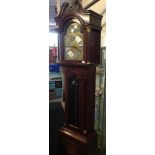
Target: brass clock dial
73, 53
73, 43
70, 53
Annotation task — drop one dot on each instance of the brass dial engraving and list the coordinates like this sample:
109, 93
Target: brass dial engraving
73, 43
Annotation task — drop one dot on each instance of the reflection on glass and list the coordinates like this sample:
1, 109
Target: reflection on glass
73, 42
73, 100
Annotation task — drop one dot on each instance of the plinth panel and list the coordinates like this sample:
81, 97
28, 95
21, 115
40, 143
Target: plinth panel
73, 143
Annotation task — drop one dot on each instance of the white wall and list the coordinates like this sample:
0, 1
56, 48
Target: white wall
53, 39
100, 7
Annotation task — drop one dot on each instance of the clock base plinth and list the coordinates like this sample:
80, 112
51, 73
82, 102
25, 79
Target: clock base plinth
73, 143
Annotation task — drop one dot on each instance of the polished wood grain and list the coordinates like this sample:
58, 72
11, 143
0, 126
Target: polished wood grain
78, 137
73, 143
90, 27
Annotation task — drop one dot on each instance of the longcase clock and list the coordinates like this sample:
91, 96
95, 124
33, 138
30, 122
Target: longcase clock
79, 53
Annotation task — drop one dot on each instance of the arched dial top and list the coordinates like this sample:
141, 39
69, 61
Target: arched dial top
73, 41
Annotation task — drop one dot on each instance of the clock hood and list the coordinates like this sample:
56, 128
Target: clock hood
76, 11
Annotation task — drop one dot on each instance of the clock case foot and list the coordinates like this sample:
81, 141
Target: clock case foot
73, 143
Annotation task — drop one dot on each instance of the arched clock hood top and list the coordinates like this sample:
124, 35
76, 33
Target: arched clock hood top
75, 11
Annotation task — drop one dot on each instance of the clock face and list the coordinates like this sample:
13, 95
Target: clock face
73, 42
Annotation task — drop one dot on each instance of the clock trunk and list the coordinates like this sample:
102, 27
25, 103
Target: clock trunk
79, 53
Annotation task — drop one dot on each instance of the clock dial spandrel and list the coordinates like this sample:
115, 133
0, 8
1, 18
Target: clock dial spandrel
73, 42
73, 28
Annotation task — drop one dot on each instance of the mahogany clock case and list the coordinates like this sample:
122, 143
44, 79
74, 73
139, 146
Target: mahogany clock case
90, 27
80, 109
77, 136
73, 143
